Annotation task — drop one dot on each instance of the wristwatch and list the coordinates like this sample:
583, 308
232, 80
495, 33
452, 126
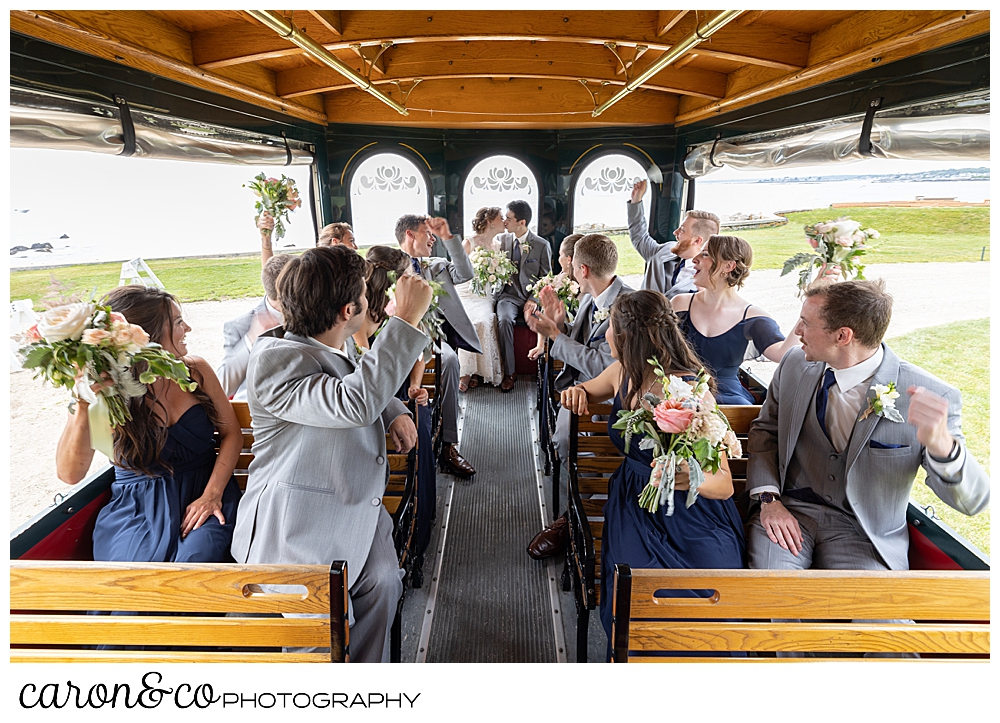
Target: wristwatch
767, 498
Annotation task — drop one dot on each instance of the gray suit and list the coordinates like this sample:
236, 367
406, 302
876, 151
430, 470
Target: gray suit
232, 372
320, 468
585, 353
459, 331
661, 261
876, 480
510, 300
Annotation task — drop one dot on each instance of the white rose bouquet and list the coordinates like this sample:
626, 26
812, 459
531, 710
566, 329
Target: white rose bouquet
837, 248
491, 270
680, 427
79, 345
566, 289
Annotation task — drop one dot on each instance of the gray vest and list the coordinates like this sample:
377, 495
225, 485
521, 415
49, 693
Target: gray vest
816, 465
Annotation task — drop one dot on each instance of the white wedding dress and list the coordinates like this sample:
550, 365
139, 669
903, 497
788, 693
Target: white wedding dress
484, 319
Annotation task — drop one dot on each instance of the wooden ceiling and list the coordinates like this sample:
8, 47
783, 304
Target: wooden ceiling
530, 69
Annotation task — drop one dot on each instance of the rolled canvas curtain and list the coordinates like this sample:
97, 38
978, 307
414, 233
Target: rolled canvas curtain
899, 134
40, 120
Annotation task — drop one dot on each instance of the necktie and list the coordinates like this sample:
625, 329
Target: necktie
416, 267
829, 379
517, 254
677, 271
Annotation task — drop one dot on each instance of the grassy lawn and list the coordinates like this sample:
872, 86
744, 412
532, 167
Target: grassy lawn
959, 354
209, 279
909, 235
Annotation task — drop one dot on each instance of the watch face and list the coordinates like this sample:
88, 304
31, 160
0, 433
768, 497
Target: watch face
767, 498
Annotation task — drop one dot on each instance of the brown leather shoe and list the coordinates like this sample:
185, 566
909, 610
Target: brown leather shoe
508, 383
454, 463
550, 540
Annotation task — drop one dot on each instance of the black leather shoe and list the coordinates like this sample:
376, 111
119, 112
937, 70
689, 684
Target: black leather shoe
551, 540
508, 383
454, 463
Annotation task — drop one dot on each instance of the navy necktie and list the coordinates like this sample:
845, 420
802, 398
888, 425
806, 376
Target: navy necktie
677, 271
416, 267
516, 256
829, 379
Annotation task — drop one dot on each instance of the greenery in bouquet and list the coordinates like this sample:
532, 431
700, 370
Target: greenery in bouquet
278, 197
432, 323
491, 270
566, 289
79, 345
680, 427
837, 250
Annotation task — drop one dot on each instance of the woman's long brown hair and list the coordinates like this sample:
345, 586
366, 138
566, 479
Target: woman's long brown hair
646, 327
384, 260
138, 444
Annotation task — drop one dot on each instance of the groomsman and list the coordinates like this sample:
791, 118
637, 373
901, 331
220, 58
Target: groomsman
833, 454
413, 233
581, 346
532, 258
320, 419
668, 266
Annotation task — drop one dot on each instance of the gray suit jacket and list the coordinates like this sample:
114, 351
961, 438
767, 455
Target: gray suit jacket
585, 351
534, 266
878, 480
232, 372
661, 261
319, 467
449, 274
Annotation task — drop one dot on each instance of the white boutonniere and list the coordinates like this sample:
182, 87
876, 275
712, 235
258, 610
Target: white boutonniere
525, 247
601, 315
424, 263
884, 403
360, 350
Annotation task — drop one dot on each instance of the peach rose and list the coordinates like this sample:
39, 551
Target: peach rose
671, 417
93, 337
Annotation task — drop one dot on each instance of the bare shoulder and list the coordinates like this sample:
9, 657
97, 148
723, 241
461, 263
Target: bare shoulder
681, 302
755, 311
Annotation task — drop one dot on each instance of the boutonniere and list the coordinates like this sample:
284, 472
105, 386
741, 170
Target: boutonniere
424, 263
525, 246
601, 315
884, 403
359, 349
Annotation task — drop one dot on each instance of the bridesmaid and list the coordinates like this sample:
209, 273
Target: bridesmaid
709, 534
719, 323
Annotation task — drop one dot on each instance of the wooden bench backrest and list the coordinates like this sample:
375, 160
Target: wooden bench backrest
829, 611
49, 620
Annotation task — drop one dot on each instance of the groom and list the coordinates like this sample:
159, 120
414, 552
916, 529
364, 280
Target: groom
532, 258
832, 467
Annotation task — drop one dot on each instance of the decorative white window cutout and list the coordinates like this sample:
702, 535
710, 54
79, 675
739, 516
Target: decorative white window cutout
602, 191
384, 187
496, 181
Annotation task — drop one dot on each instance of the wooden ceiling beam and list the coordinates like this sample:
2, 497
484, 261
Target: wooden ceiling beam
946, 29
666, 19
483, 103
523, 60
330, 19
76, 36
757, 45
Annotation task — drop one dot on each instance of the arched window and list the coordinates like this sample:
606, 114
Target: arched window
384, 187
496, 181
602, 190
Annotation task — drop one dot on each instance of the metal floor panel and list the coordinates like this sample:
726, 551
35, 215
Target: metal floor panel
493, 603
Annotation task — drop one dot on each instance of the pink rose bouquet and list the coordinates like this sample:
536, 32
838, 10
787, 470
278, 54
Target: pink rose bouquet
277, 197
78, 346
837, 249
680, 427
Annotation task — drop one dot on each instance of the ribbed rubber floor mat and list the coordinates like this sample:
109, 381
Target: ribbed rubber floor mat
493, 600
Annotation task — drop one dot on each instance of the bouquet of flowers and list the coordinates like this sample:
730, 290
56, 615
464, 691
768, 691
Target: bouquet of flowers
837, 248
679, 427
566, 289
432, 323
276, 197
79, 345
492, 269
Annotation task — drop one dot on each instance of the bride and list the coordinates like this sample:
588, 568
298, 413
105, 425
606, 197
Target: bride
487, 223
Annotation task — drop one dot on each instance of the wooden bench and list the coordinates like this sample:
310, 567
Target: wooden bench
829, 612
593, 460
192, 612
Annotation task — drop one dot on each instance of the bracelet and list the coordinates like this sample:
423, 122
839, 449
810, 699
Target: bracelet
952, 455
